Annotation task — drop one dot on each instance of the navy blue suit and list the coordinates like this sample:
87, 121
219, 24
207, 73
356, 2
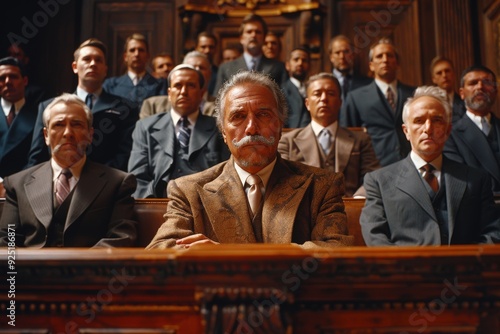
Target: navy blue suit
368, 107
298, 115
124, 87
114, 121
15, 141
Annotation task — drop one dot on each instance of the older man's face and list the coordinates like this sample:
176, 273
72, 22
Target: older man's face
251, 126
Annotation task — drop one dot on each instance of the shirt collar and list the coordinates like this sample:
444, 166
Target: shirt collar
6, 105
191, 117
419, 162
133, 75
82, 93
264, 173
248, 59
76, 169
296, 82
317, 128
476, 119
339, 75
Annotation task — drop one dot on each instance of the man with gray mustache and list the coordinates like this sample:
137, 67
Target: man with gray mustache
255, 196
475, 138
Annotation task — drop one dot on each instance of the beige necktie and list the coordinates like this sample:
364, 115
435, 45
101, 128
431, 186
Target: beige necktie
254, 193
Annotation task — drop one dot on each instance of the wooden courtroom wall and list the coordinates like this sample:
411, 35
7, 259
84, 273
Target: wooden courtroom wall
464, 30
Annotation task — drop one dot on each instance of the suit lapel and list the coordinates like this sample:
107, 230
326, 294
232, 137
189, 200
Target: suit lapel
92, 180
40, 195
344, 144
227, 208
284, 194
410, 182
308, 146
478, 144
21, 127
382, 108
202, 133
455, 189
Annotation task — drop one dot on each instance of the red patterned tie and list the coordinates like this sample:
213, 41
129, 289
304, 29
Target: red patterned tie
390, 98
429, 176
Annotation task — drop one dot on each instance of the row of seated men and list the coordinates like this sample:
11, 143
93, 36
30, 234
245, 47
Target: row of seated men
186, 86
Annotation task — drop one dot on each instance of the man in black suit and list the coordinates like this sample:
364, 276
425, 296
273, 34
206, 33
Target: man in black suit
159, 152
294, 88
114, 117
137, 84
252, 32
443, 76
427, 199
207, 44
68, 201
475, 138
379, 105
16, 128
342, 59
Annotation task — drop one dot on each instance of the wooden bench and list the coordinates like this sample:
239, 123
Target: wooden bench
149, 213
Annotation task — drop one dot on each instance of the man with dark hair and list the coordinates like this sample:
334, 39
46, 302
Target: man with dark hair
207, 44
69, 201
326, 145
443, 76
137, 84
342, 59
272, 46
162, 64
427, 199
159, 153
297, 65
252, 31
16, 128
255, 196
114, 117
379, 105
475, 138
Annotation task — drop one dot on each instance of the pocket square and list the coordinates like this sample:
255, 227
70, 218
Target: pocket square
111, 111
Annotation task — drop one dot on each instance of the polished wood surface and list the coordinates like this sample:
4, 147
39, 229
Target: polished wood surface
256, 289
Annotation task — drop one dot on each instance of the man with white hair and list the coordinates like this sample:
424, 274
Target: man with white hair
427, 199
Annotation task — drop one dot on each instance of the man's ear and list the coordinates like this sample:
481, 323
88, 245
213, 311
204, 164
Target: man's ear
46, 136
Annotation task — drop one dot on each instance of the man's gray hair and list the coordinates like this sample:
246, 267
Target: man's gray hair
254, 79
430, 91
67, 99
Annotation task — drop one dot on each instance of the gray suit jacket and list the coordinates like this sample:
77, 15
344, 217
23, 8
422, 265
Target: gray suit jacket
468, 144
100, 213
354, 155
399, 211
153, 153
274, 68
368, 107
302, 205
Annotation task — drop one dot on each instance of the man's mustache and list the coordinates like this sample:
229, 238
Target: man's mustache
255, 139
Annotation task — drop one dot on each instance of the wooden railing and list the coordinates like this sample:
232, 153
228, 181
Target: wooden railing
252, 289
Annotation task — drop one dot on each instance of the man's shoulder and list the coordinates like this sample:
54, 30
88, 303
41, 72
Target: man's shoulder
293, 133
201, 178
101, 169
409, 90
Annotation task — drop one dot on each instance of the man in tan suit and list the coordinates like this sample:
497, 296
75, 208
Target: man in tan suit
349, 152
255, 196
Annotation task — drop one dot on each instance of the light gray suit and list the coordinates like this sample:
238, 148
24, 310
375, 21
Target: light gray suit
354, 154
399, 211
99, 215
153, 155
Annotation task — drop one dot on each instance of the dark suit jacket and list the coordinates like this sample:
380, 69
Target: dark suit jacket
357, 81
274, 68
114, 121
354, 155
399, 211
368, 107
124, 87
302, 205
100, 213
468, 144
153, 155
298, 115
15, 141
458, 108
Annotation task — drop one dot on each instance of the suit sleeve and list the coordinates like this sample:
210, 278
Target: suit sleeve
122, 229
373, 220
330, 222
179, 220
10, 218
39, 152
138, 163
129, 114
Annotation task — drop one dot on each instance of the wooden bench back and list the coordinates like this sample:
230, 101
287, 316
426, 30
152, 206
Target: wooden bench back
149, 213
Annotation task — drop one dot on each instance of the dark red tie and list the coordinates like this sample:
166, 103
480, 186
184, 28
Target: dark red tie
12, 114
429, 176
